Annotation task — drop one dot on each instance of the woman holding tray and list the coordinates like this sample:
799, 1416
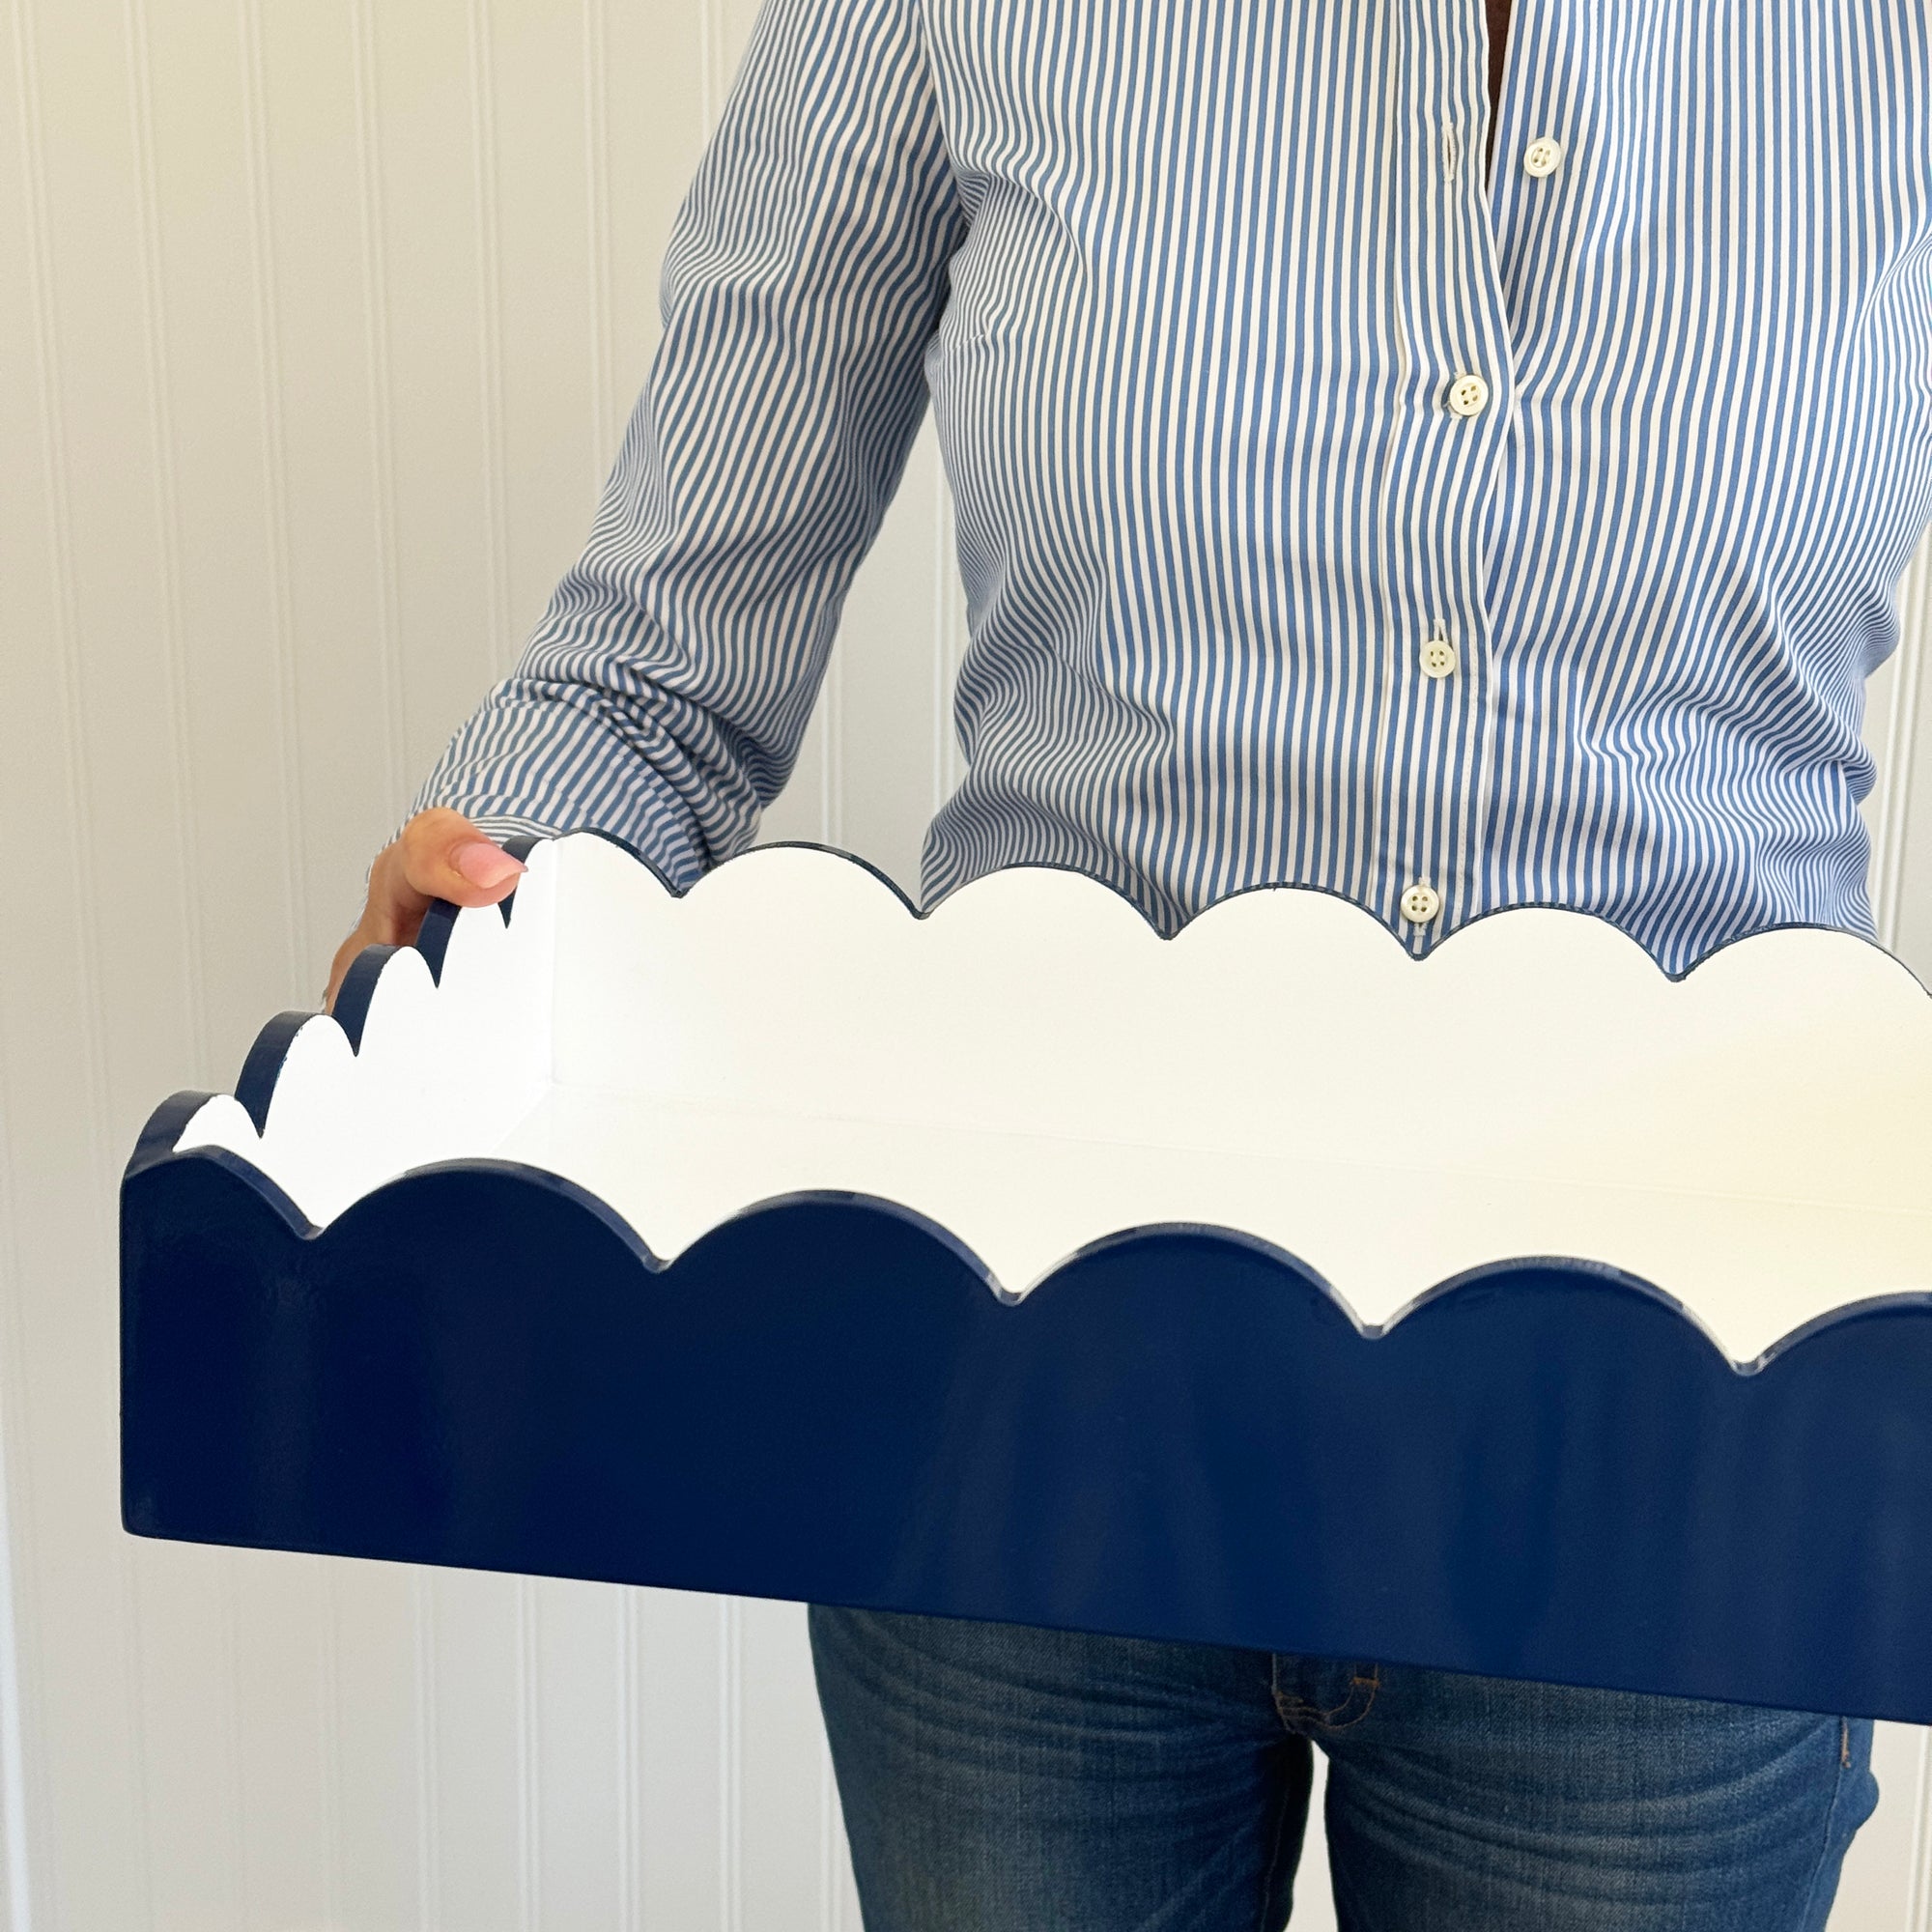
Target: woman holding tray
1450, 462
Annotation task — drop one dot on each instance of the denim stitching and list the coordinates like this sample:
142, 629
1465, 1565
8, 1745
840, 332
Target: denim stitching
1295, 1710
1372, 1684
1830, 1818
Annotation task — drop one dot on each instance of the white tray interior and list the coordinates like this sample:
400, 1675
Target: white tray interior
1032, 1067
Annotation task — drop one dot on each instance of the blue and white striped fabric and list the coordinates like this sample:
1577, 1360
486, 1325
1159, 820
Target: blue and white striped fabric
1191, 284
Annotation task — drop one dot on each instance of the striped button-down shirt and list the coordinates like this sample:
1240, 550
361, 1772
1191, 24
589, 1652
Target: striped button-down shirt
1329, 509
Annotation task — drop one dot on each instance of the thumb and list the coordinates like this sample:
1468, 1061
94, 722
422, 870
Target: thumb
442, 855
484, 863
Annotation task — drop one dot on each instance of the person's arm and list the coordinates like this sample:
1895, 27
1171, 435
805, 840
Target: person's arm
664, 694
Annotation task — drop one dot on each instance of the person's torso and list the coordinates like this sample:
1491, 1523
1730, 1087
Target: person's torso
1263, 588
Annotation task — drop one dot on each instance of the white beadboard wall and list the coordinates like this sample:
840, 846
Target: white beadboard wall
319, 323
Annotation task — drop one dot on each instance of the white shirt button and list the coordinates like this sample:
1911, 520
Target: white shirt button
1541, 156
1469, 395
1439, 657
1421, 903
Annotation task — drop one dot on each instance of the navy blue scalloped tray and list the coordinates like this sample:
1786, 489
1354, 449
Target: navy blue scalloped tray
1542, 1471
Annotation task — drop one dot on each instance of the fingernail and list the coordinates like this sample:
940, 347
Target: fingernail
485, 865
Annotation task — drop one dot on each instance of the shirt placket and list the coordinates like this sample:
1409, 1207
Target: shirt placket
1441, 667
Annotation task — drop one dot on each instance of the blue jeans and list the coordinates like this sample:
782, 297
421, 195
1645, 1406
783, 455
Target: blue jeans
997, 1779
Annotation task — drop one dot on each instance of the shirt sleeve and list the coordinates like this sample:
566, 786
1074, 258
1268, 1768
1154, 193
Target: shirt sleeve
664, 694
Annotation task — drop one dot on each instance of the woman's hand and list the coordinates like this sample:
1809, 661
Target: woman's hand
438, 855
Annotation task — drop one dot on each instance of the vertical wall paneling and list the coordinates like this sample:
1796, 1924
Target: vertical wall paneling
791, 1868
731, 1761
481, 1755
169, 624
489, 321
382, 407
78, 817
328, 294
1913, 901
273, 463
1897, 761
428, 1796
374, 1839
425, 154
528, 1615
546, 207
1918, 1875
21, 425
712, 71
604, 422
282, 1642
582, 1730
682, 1805
15, 1867
627, 1678
231, 690
949, 630
194, 1797
335, 1864
86, 1704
